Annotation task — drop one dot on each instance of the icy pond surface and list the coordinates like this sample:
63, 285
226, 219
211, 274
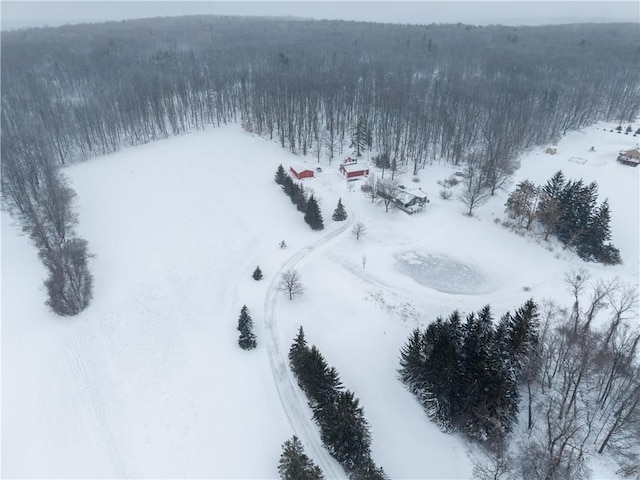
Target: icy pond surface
442, 273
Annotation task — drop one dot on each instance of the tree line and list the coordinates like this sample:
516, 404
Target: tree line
415, 93
306, 204
343, 427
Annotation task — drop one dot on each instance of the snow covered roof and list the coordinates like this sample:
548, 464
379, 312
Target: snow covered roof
354, 167
301, 168
405, 196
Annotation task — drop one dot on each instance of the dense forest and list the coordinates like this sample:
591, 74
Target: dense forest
414, 94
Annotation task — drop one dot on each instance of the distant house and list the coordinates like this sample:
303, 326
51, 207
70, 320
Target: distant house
630, 157
349, 161
410, 201
353, 171
301, 172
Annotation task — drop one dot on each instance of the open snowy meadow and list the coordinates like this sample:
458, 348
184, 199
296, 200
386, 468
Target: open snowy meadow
149, 381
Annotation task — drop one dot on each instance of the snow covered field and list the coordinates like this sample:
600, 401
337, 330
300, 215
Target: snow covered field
149, 380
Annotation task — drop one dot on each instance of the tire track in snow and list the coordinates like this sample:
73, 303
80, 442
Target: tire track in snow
293, 400
85, 374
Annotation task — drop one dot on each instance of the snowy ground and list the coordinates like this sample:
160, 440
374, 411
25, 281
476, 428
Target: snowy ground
149, 381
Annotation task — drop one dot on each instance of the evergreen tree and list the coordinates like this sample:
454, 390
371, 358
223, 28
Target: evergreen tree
412, 362
577, 202
549, 208
280, 175
346, 433
297, 351
442, 341
369, 471
299, 197
339, 213
294, 464
312, 216
360, 134
289, 186
247, 340
593, 244
257, 274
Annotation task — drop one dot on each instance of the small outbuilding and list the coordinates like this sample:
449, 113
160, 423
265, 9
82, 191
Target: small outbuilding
301, 172
353, 171
630, 157
551, 151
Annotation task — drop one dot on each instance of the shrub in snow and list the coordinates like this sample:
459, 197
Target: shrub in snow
445, 194
257, 274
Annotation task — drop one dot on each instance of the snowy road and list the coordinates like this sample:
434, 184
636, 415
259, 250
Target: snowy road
294, 401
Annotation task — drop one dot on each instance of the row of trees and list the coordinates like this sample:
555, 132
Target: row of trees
467, 374
41, 200
567, 209
343, 427
305, 204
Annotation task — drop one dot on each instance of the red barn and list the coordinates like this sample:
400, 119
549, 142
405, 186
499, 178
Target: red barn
301, 172
353, 171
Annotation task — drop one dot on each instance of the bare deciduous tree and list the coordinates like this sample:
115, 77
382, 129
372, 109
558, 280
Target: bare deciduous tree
474, 191
358, 230
69, 285
387, 189
291, 284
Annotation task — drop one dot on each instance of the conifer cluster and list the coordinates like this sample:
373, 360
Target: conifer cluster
307, 205
567, 209
466, 374
343, 427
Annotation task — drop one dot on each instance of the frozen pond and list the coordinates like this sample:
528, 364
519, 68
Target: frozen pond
442, 273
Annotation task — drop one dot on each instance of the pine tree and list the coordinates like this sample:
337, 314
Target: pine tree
412, 362
257, 274
312, 216
280, 175
299, 198
359, 137
340, 213
297, 350
549, 207
593, 244
289, 186
294, 464
346, 433
247, 340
